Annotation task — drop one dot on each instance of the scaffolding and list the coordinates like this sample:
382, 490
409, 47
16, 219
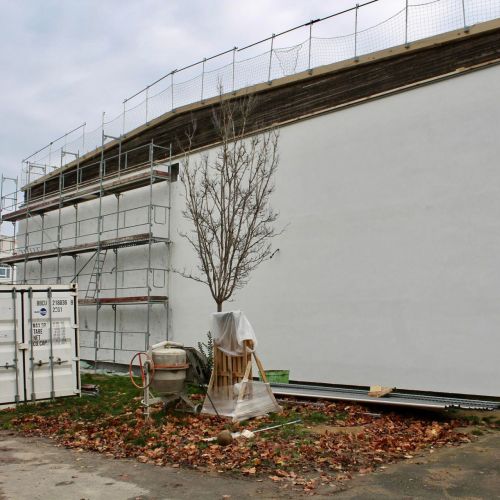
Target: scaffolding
74, 227
8, 197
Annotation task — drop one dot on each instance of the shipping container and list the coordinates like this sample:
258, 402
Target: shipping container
38, 342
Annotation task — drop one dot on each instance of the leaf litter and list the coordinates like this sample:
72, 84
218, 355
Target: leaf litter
302, 455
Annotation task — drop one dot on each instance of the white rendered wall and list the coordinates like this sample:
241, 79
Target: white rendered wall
389, 270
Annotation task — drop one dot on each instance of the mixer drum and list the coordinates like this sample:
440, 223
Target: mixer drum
170, 371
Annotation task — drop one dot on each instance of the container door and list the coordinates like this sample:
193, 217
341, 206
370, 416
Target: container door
11, 347
50, 331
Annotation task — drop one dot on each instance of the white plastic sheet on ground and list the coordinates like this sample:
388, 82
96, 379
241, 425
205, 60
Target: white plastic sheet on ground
257, 399
230, 330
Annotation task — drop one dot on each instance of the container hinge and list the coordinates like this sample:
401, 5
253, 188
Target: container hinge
7, 365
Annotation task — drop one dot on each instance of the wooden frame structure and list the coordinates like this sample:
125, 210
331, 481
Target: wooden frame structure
232, 383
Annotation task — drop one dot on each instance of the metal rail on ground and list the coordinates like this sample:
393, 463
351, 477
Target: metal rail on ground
394, 398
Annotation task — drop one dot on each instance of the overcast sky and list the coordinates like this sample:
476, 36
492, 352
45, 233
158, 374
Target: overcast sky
63, 62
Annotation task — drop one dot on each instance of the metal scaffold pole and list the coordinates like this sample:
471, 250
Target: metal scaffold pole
59, 228
168, 244
97, 339
26, 230
150, 229
42, 216
115, 312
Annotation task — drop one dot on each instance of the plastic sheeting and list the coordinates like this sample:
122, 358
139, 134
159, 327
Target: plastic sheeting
245, 398
230, 330
257, 399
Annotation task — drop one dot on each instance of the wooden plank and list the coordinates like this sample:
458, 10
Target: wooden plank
90, 192
137, 239
123, 300
260, 367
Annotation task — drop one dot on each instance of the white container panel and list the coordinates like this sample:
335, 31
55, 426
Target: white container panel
10, 382
40, 326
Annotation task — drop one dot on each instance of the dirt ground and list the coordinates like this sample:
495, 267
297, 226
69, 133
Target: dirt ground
34, 468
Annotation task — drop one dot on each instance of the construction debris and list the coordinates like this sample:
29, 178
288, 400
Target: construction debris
90, 390
377, 391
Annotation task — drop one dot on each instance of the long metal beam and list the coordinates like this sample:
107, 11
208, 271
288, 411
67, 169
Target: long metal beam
394, 398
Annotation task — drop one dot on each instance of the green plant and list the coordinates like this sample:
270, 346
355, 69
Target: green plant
473, 419
317, 417
207, 349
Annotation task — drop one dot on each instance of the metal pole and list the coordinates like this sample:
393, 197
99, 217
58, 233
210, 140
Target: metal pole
356, 33
270, 59
83, 140
146, 393
26, 234
115, 322
51, 346
234, 56
406, 25
124, 113
202, 77
32, 358
14, 229
172, 89
97, 335
16, 359
59, 228
150, 238
466, 28
147, 98
42, 216
102, 129
309, 49
76, 241
168, 253
76, 223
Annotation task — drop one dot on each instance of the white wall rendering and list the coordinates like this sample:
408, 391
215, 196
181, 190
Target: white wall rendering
389, 270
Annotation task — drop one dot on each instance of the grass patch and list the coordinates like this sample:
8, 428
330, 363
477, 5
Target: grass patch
115, 398
279, 418
341, 415
293, 432
317, 417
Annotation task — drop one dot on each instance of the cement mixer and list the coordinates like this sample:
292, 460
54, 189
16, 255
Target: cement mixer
167, 368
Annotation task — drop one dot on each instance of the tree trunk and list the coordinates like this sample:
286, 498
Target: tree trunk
219, 307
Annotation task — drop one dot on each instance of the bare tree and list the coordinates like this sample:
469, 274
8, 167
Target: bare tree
227, 200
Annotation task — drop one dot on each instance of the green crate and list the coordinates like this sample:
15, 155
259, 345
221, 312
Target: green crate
278, 376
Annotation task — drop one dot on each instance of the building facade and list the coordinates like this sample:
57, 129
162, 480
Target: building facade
387, 189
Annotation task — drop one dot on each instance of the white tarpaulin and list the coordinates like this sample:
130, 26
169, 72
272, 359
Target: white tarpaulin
230, 330
231, 393
242, 401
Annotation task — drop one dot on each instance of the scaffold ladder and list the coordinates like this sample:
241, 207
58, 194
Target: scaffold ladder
95, 276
